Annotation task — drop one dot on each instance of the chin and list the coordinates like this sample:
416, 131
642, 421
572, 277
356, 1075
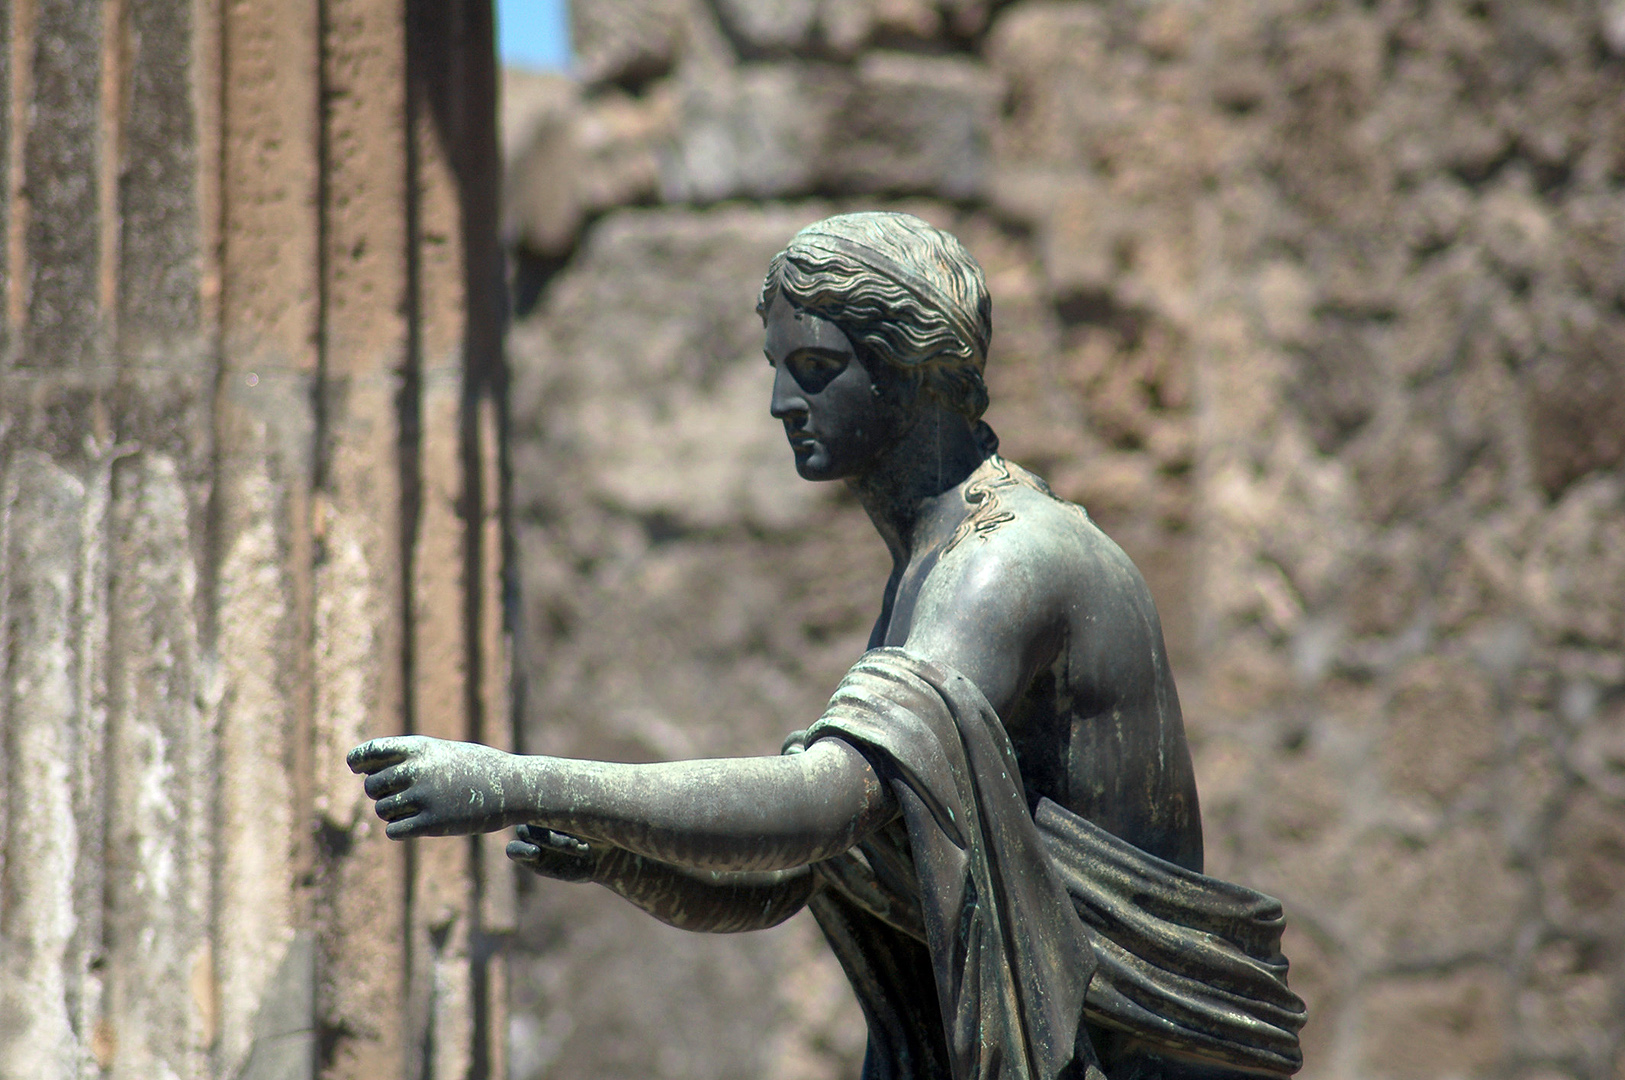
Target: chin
817, 466
807, 470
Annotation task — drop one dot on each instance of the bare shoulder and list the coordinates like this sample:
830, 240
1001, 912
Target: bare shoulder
1023, 574
1023, 542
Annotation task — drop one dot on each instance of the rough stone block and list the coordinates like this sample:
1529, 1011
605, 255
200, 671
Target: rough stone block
914, 124
1598, 750
1575, 574
849, 25
628, 41
1564, 1007
1423, 1027
1442, 899
1584, 871
1576, 402
770, 26
540, 209
1054, 59
1515, 227
1076, 220
1400, 466
530, 99
759, 131
618, 142
573, 159
901, 124
1442, 730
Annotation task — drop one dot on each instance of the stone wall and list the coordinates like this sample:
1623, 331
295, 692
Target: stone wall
1318, 307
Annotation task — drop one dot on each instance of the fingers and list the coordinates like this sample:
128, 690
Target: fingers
411, 822
377, 754
551, 854
541, 837
396, 807
387, 781
523, 852
391, 787
406, 828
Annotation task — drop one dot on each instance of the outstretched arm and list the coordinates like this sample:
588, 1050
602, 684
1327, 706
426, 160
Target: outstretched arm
760, 813
706, 901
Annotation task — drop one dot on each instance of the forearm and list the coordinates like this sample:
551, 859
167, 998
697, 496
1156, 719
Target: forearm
767, 813
706, 901
738, 814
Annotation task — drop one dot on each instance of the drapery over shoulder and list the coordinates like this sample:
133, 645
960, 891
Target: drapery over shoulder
1028, 922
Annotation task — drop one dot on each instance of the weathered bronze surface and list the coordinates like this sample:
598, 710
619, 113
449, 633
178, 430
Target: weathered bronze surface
996, 821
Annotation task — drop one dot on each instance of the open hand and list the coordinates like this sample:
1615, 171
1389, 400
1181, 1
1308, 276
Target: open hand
554, 854
431, 787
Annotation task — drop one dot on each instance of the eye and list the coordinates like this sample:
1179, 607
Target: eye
813, 371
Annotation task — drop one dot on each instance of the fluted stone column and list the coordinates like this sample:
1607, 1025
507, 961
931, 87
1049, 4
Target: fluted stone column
250, 514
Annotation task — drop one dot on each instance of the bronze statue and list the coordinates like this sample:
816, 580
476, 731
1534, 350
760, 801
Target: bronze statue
995, 822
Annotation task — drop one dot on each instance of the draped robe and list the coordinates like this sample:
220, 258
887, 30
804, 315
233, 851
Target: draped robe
980, 929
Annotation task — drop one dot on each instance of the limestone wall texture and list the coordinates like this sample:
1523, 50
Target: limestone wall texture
249, 516
1318, 306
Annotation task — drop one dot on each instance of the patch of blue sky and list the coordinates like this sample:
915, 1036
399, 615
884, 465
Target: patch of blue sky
534, 34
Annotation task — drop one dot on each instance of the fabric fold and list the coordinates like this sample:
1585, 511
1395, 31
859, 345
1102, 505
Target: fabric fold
1030, 922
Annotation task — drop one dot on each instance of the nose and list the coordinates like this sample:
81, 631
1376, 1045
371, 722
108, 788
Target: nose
788, 401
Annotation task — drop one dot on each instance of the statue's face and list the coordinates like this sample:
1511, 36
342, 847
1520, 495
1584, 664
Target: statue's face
836, 422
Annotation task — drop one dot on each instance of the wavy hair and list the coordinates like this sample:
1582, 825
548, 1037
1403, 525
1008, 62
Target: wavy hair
903, 291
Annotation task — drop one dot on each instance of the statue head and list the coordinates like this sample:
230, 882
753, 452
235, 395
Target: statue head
907, 295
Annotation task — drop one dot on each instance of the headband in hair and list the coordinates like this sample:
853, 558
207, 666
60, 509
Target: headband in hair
929, 291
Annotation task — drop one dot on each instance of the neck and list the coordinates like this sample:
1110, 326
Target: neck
907, 485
